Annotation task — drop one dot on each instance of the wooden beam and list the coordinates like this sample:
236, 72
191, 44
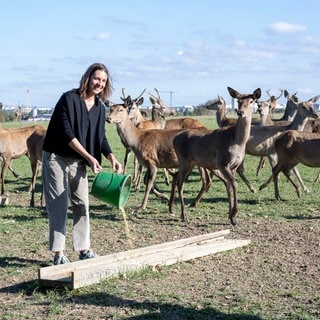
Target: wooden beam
86, 272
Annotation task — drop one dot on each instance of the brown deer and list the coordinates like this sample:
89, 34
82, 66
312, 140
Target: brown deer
176, 123
273, 100
130, 103
220, 105
13, 145
290, 109
159, 113
18, 115
261, 141
294, 147
221, 150
264, 110
153, 148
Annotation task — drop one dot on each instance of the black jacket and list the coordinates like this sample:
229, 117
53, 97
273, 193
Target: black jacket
71, 119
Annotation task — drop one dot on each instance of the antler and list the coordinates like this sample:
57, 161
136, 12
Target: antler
273, 98
124, 96
281, 92
141, 94
156, 90
268, 92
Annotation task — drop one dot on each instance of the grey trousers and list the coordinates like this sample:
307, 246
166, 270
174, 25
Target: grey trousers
65, 182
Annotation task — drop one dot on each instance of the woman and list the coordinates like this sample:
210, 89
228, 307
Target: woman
75, 139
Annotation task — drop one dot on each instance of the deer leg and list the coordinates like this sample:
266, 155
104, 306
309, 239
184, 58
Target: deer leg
240, 171
275, 174
273, 161
317, 178
297, 173
155, 189
137, 181
35, 166
260, 165
231, 187
16, 175
4, 168
295, 186
151, 177
206, 182
166, 176
173, 191
126, 159
135, 169
287, 173
182, 175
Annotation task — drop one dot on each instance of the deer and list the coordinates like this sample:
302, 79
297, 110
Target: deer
264, 110
13, 145
261, 141
220, 106
18, 115
311, 125
153, 148
132, 104
176, 123
221, 150
294, 147
290, 109
172, 124
273, 100
159, 112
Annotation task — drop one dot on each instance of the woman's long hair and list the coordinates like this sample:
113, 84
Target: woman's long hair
84, 82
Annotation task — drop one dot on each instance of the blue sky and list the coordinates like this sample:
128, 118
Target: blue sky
192, 48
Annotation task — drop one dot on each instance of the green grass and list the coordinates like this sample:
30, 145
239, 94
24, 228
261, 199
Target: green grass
24, 233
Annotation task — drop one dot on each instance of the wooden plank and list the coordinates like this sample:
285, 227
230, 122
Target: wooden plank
81, 273
90, 276
66, 269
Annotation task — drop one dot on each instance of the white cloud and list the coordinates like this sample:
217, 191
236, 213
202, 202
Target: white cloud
103, 36
282, 27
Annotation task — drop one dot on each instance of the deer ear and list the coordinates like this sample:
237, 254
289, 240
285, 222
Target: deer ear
233, 93
257, 93
139, 102
314, 99
109, 104
294, 98
152, 99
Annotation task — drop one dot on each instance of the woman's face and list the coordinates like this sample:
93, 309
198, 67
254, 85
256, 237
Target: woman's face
97, 82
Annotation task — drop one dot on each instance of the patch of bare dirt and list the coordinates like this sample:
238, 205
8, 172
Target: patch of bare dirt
276, 276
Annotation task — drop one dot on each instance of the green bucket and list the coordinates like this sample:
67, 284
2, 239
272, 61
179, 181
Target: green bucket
112, 188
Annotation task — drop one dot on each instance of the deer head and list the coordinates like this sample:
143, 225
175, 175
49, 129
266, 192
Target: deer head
244, 100
157, 103
216, 104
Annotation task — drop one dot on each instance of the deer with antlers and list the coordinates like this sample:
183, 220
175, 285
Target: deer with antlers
131, 104
273, 100
159, 113
153, 148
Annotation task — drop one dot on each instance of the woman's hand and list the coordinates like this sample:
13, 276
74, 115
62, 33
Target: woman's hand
94, 165
116, 165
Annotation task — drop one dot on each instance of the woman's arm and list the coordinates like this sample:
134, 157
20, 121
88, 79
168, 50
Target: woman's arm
93, 162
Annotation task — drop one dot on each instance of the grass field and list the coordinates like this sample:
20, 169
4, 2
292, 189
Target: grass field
276, 277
